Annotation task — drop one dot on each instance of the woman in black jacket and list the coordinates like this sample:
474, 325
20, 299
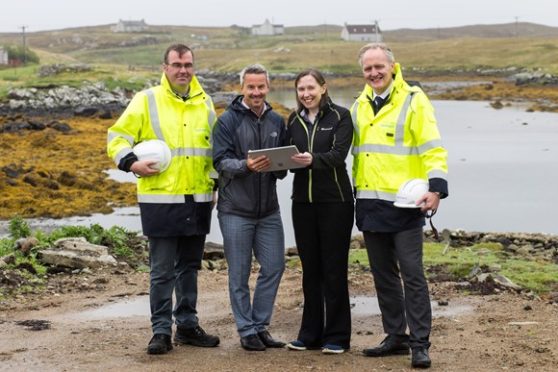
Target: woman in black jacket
322, 214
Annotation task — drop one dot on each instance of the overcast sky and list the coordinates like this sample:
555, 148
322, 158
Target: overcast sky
38, 15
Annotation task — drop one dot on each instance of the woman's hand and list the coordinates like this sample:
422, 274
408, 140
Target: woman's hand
304, 159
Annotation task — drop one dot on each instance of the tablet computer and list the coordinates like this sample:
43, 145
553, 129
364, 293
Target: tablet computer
280, 157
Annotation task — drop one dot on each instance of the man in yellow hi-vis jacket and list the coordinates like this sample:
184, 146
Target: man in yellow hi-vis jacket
175, 204
396, 139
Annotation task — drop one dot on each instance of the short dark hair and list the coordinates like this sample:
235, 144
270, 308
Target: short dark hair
178, 48
321, 81
256, 69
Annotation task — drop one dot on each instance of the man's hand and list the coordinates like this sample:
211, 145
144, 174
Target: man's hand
144, 168
429, 201
259, 164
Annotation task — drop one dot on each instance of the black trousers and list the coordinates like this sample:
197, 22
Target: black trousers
323, 235
174, 263
390, 255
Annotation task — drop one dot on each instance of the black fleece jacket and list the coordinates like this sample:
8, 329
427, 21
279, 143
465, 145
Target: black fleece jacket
328, 140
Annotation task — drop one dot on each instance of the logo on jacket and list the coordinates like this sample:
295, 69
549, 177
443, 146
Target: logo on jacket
273, 134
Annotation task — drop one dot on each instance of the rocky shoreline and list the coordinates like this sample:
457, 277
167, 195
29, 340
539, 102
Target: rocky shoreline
96, 100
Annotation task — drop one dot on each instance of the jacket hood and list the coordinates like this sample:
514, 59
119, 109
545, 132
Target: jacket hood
398, 85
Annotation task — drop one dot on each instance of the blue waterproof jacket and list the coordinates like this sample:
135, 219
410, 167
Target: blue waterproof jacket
241, 191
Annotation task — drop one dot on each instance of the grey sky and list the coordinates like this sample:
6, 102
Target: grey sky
40, 15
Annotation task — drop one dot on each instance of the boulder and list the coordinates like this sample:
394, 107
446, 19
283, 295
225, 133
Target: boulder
77, 253
213, 251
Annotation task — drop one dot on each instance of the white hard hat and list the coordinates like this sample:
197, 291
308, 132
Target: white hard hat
410, 192
156, 150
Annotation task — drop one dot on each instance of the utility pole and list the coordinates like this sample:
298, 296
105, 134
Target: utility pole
516, 27
24, 46
377, 29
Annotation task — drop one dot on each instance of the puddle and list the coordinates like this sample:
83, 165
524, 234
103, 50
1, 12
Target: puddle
137, 306
127, 217
366, 305
360, 306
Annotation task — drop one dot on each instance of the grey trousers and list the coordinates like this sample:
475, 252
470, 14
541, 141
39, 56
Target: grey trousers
174, 263
390, 255
264, 237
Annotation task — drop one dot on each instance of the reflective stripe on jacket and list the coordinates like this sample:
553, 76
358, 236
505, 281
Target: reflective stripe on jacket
185, 125
399, 143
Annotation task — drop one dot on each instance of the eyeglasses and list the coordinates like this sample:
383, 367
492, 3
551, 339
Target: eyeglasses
179, 66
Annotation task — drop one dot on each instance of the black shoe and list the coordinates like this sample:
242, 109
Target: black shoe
252, 343
195, 336
268, 341
420, 358
159, 344
391, 345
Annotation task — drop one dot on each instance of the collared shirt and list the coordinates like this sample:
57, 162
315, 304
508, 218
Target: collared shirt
184, 96
309, 123
249, 108
385, 94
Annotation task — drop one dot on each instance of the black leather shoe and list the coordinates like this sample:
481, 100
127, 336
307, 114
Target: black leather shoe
268, 341
252, 343
159, 344
420, 358
195, 336
391, 345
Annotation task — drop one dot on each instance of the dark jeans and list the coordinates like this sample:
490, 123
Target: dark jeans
390, 255
174, 262
323, 236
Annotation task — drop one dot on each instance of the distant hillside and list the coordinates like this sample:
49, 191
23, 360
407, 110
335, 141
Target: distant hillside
506, 30
467, 49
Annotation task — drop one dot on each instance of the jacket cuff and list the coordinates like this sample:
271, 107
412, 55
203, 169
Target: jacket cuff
439, 185
127, 161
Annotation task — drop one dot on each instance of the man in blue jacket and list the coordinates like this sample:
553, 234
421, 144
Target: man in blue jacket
248, 208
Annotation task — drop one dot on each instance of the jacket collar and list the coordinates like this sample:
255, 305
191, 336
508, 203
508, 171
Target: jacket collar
238, 105
195, 87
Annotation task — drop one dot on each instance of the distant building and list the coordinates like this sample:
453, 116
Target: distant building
267, 29
130, 26
3, 56
362, 33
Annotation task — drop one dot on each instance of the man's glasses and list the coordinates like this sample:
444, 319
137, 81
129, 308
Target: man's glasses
179, 66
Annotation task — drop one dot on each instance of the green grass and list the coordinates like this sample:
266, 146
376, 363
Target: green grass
538, 276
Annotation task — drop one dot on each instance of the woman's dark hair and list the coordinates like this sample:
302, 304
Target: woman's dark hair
321, 81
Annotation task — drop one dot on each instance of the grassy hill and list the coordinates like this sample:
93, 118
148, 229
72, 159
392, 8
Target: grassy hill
123, 56
506, 30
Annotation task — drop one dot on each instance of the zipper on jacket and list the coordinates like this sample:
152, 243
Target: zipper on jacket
259, 175
311, 149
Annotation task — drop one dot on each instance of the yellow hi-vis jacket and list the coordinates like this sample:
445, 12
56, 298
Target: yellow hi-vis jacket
399, 143
158, 113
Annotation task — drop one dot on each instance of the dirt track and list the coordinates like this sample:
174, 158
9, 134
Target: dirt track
480, 340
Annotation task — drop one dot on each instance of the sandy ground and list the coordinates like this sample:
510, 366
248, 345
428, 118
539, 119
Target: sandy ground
506, 331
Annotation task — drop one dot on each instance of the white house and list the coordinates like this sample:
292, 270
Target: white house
267, 29
3, 56
130, 26
362, 33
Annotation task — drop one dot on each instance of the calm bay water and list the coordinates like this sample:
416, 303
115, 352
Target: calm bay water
503, 171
